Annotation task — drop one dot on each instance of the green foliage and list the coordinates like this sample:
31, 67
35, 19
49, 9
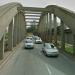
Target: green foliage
31, 29
69, 48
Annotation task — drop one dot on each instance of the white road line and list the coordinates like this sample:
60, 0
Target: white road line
49, 71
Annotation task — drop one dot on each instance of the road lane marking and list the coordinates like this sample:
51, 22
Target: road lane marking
49, 71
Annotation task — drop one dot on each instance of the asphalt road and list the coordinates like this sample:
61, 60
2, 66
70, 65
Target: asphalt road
34, 62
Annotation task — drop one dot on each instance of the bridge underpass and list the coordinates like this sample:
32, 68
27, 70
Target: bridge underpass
15, 18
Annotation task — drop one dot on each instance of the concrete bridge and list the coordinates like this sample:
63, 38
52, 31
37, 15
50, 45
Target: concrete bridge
13, 15
14, 18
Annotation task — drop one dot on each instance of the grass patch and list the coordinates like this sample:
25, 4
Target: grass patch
69, 48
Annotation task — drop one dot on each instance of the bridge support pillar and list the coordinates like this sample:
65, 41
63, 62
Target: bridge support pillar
47, 27
19, 35
19, 28
2, 47
74, 44
22, 25
10, 36
55, 30
62, 36
15, 30
50, 27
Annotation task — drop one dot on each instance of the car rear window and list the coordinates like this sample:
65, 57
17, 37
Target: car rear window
52, 46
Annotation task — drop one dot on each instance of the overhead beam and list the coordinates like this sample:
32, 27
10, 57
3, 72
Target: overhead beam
33, 12
33, 15
31, 25
32, 18
31, 22
33, 9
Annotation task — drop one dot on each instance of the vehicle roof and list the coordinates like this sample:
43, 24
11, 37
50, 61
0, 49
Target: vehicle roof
28, 37
28, 40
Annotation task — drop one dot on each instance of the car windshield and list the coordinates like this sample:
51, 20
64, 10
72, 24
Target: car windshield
28, 41
29, 38
48, 46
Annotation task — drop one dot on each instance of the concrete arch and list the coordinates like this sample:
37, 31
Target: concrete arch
15, 21
66, 15
7, 12
67, 18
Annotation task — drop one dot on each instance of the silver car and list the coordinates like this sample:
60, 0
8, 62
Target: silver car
28, 43
38, 40
50, 50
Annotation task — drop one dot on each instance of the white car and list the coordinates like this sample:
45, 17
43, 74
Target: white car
38, 40
29, 38
50, 50
28, 44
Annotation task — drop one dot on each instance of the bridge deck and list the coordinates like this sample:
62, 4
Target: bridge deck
33, 62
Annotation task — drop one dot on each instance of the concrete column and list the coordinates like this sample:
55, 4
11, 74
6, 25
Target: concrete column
55, 30
46, 29
42, 27
19, 28
74, 44
2, 47
10, 36
62, 36
22, 25
50, 27
15, 30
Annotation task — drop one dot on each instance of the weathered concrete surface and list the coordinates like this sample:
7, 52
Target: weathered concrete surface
2, 43
10, 36
7, 12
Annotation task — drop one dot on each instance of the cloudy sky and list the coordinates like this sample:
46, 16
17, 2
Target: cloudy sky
70, 4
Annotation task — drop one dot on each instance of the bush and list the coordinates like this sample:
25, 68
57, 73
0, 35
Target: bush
69, 48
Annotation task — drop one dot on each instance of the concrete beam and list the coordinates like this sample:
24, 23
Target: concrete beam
29, 12
34, 18
33, 9
32, 22
37, 16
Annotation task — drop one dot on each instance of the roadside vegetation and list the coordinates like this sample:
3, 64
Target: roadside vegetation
69, 48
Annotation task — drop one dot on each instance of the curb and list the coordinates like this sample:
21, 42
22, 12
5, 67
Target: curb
68, 55
6, 59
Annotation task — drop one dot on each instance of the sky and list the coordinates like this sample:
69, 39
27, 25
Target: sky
69, 4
